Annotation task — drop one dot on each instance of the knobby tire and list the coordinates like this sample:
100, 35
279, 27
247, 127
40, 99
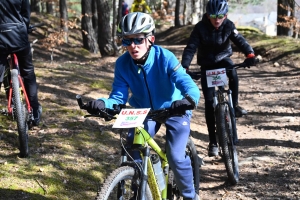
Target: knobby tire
20, 115
173, 191
225, 136
118, 185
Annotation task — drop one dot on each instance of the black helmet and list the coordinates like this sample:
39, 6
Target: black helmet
217, 7
135, 23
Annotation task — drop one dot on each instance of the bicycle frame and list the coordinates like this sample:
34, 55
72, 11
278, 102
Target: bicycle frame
219, 96
13, 64
143, 140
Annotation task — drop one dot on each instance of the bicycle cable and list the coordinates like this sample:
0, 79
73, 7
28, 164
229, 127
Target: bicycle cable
127, 153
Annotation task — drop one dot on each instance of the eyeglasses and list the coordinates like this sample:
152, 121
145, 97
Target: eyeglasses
217, 16
128, 41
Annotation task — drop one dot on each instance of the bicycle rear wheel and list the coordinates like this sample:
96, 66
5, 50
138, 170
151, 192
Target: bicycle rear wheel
225, 136
20, 115
173, 192
119, 185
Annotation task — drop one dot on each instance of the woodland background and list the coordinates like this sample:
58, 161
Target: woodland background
97, 19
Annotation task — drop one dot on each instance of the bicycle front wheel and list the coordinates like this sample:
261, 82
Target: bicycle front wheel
122, 183
173, 191
20, 115
228, 149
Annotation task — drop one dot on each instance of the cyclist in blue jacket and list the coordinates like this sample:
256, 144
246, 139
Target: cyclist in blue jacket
14, 24
211, 37
156, 80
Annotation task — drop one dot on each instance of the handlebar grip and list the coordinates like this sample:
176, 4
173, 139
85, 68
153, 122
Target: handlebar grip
79, 101
258, 58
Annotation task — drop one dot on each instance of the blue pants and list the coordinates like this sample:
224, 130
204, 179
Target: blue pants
177, 134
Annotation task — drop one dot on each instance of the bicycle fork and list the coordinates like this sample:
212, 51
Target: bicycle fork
218, 97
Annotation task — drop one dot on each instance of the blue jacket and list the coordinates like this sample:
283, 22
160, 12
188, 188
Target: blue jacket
160, 81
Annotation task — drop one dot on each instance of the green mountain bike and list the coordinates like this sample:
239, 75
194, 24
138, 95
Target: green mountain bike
143, 179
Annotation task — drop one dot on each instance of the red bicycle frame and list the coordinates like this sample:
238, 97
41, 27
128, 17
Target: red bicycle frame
14, 64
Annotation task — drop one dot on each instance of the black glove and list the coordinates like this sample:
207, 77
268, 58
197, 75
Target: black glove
95, 106
180, 106
250, 62
194, 75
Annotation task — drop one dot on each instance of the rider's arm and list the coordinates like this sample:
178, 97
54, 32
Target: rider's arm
182, 80
25, 12
240, 42
191, 47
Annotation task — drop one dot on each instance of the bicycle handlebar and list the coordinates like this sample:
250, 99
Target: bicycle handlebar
197, 75
109, 114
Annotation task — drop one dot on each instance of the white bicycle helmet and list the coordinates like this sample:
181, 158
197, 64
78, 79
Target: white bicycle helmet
217, 7
136, 23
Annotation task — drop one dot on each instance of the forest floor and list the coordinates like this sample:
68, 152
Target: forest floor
70, 155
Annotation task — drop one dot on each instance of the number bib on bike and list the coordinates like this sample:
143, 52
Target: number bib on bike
216, 77
129, 118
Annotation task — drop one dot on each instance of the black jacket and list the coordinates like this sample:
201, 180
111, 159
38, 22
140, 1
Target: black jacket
14, 23
213, 44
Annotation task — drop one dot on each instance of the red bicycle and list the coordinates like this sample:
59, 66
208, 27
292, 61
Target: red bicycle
18, 105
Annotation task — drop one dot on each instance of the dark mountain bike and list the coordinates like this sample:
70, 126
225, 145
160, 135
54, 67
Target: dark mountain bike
145, 180
225, 119
18, 106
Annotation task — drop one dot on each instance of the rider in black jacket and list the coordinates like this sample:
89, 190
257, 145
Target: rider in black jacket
211, 37
14, 24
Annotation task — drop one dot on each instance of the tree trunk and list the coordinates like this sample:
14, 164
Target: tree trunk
88, 35
35, 6
64, 18
203, 7
50, 7
195, 17
177, 14
105, 39
188, 12
95, 18
285, 17
119, 12
114, 18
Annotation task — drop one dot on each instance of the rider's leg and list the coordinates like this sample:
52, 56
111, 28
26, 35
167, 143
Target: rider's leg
234, 87
177, 134
2, 67
209, 115
27, 72
3, 62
